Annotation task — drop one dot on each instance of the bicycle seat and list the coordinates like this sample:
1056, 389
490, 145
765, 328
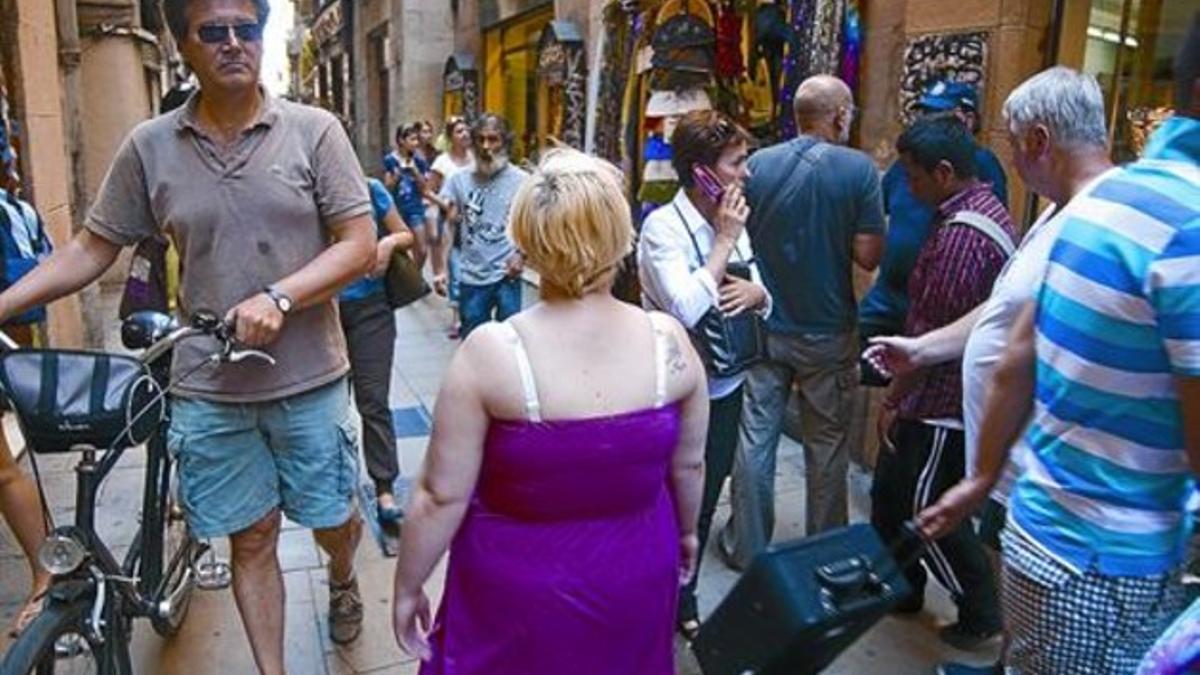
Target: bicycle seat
142, 329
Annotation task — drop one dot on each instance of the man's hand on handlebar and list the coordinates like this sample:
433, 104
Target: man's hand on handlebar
257, 320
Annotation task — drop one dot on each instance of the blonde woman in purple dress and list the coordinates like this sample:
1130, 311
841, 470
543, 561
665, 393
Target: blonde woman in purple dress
566, 465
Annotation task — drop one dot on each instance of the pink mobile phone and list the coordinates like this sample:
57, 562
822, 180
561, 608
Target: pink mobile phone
707, 181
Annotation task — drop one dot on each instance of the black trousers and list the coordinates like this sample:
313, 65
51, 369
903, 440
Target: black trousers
724, 416
370, 328
927, 462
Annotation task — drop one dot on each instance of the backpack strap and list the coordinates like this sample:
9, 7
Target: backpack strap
990, 228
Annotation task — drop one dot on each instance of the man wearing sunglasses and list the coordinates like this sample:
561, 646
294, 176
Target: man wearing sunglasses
268, 207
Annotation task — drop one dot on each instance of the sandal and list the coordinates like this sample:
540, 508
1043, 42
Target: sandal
689, 629
31, 610
389, 515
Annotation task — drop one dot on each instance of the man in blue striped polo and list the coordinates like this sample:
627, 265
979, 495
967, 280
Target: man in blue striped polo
1105, 368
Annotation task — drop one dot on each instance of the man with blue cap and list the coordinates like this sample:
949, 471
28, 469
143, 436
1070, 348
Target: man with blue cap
883, 309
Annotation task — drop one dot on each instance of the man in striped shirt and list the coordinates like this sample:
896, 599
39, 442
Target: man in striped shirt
921, 427
1107, 362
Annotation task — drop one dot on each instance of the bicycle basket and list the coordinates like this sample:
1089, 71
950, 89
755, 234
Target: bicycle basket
65, 398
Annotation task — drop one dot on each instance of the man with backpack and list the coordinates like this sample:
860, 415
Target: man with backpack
25, 243
921, 423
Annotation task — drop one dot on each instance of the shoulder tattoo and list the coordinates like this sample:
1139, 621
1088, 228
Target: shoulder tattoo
675, 359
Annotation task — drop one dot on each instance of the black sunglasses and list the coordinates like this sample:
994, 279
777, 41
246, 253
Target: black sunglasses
218, 33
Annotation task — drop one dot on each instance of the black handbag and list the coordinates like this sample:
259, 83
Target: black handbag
403, 282
727, 345
67, 398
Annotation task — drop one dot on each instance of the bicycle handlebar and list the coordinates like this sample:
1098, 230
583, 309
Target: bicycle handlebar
207, 324
203, 323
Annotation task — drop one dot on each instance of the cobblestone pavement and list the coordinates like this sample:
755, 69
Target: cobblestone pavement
212, 640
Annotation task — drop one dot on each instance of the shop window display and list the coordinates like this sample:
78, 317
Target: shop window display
1129, 47
510, 83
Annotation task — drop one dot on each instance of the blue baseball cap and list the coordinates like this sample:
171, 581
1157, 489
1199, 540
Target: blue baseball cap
948, 95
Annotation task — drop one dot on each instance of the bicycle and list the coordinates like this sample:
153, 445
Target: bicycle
86, 622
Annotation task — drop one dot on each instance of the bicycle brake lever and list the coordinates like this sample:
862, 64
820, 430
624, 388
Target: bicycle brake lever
238, 355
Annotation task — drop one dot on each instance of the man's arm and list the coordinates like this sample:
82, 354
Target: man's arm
1005, 416
897, 355
440, 260
350, 257
868, 250
870, 228
67, 270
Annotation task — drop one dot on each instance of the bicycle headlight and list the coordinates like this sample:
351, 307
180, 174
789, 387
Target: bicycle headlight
61, 554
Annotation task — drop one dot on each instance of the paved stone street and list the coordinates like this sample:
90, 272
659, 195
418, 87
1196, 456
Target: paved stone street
212, 641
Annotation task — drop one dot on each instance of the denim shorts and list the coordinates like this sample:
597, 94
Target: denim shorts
239, 461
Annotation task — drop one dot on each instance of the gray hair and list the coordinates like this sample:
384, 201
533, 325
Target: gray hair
1069, 103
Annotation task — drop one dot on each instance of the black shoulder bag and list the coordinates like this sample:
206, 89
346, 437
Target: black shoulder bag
727, 344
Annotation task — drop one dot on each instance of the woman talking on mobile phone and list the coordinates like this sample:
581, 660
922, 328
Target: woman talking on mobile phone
693, 258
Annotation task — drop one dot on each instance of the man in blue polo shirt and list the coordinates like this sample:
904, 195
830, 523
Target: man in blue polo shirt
1103, 376
883, 309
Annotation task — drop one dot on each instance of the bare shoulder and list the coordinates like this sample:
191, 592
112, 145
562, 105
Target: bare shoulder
484, 345
684, 371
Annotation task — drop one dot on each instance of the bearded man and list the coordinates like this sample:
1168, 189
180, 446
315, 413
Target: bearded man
479, 201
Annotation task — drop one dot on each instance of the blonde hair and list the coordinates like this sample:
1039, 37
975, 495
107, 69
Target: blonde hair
572, 221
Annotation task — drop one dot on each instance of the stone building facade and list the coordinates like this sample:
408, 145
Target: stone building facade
78, 75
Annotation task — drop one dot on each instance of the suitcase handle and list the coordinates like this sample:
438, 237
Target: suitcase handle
847, 581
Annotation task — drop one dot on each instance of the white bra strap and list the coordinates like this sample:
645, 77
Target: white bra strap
660, 363
533, 409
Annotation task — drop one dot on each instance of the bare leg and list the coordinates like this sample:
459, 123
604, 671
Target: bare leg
258, 589
22, 509
420, 246
340, 543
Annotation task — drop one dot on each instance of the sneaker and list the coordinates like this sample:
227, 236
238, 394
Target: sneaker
345, 612
964, 669
966, 638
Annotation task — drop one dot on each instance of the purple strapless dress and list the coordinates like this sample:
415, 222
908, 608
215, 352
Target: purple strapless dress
567, 561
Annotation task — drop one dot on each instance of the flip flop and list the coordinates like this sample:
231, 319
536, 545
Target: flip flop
33, 607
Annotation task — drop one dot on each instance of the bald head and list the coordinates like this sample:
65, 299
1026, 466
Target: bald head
819, 102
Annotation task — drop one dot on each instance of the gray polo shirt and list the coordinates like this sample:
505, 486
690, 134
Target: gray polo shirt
241, 219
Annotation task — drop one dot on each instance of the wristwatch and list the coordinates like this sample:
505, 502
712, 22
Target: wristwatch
282, 300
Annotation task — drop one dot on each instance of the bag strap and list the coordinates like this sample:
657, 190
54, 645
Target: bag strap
804, 159
687, 228
737, 249
100, 374
6, 234
988, 227
48, 391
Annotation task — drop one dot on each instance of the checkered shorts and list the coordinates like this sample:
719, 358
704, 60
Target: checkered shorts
1060, 621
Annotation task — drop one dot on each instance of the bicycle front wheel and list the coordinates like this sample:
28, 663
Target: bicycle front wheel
56, 643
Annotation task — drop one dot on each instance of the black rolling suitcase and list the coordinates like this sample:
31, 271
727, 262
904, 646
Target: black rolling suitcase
801, 603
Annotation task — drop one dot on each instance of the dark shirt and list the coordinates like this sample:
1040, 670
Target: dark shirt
802, 232
954, 272
909, 223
